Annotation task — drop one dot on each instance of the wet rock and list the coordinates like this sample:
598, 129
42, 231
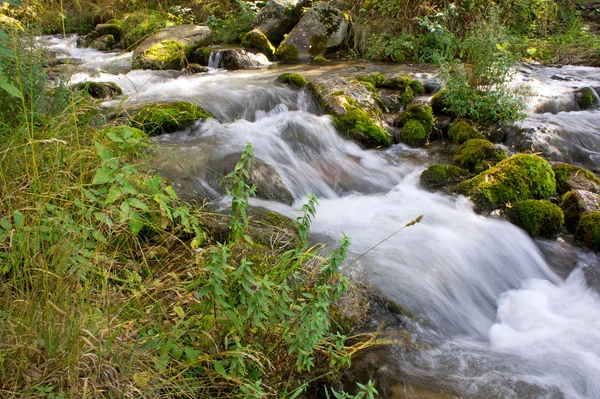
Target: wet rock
588, 230
439, 104
109, 29
478, 155
520, 177
355, 109
278, 17
539, 218
196, 68
392, 99
99, 89
269, 185
431, 87
563, 78
104, 43
257, 40
200, 56
169, 48
570, 177
159, 118
576, 203
442, 176
586, 98
234, 59
322, 30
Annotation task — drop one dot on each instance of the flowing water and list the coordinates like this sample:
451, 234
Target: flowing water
492, 318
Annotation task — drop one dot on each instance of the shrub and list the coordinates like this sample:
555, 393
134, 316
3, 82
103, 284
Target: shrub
539, 218
520, 177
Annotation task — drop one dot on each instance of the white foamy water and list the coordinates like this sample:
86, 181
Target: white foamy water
495, 320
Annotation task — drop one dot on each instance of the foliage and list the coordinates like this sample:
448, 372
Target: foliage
232, 28
517, 178
386, 47
539, 218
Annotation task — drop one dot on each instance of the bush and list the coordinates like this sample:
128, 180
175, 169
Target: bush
539, 218
520, 177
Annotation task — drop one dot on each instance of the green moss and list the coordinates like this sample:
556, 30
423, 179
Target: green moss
257, 40
570, 206
520, 177
369, 86
539, 218
401, 83
200, 55
417, 87
168, 54
478, 155
376, 79
319, 60
441, 175
358, 125
419, 112
461, 131
586, 97
414, 134
439, 104
292, 79
318, 45
287, 53
588, 230
158, 118
565, 172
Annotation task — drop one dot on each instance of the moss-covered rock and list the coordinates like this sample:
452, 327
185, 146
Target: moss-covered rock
99, 89
417, 87
113, 29
200, 56
287, 53
478, 155
158, 118
520, 177
171, 47
104, 43
570, 177
292, 79
461, 131
442, 176
588, 230
358, 125
539, 218
318, 45
257, 40
398, 83
278, 17
439, 104
576, 203
319, 60
375, 79
168, 54
586, 98
414, 133
419, 112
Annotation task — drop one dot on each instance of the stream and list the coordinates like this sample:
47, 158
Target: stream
496, 314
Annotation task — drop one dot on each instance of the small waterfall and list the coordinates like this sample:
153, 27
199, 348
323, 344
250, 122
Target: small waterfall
214, 61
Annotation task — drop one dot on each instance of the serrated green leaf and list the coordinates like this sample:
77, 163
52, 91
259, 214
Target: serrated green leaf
103, 176
135, 222
136, 203
9, 87
114, 193
192, 354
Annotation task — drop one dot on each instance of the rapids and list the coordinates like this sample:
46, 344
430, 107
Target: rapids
492, 318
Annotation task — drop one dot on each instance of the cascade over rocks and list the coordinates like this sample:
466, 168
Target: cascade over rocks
234, 59
322, 30
278, 17
169, 48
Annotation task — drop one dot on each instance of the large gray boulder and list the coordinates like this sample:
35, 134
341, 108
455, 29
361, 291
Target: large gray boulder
278, 17
233, 59
322, 30
169, 48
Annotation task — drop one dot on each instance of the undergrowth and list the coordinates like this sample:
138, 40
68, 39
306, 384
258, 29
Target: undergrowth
110, 286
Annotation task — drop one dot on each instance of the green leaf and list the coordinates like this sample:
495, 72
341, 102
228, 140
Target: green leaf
18, 216
192, 354
103, 176
114, 193
14, 3
9, 88
219, 367
135, 222
136, 203
5, 224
